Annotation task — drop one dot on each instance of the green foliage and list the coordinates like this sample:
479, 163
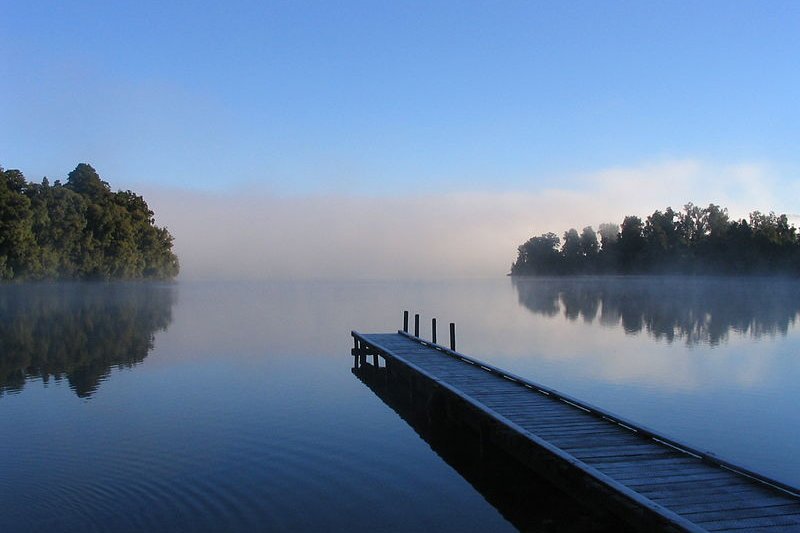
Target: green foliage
540, 254
81, 230
693, 241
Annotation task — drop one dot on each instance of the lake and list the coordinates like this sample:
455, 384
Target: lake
201, 406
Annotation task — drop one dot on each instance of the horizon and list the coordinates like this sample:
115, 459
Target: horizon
307, 131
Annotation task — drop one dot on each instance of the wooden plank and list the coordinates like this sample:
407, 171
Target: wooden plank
750, 523
543, 406
483, 394
533, 423
546, 413
687, 486
744, 492
630, 470
658, 453
583, 429
739, 513
543, 419
636, 480
571, 441
711, 505
570, 420
606, 450
655, 464
580, 424
587, 433
528, 397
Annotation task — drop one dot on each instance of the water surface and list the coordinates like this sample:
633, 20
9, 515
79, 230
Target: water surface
232, 406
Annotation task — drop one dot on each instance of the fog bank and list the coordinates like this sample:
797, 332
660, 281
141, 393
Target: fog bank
253, 234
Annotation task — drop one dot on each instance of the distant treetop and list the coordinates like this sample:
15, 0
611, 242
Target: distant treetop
693, 241
81, 230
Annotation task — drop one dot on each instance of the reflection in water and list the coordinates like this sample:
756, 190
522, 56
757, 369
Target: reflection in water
78, 330
699, 310
529, 502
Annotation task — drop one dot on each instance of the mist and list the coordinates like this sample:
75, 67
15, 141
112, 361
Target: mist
257, 234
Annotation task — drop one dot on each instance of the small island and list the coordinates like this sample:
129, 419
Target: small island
79, 230
693, 241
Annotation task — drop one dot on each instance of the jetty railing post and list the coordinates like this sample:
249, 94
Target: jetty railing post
405, 321
433, 330
416, 325
453, 336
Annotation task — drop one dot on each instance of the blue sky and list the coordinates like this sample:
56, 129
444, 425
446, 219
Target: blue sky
383, 97
256, 126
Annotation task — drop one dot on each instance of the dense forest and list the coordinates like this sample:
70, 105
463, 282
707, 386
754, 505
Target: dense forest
79, 230
693, 241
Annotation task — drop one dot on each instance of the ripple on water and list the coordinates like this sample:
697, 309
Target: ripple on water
252, 479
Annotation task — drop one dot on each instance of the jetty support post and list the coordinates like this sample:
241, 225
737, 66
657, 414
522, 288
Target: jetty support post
416, 325
453, 336
405, 321
433, 330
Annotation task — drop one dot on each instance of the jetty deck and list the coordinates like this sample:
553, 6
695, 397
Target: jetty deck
646, 479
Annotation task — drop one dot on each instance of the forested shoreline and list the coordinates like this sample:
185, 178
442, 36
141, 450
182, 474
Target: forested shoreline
79, 230
692, 241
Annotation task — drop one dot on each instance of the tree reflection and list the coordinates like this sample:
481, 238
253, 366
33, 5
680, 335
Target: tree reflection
697, 310
78, 331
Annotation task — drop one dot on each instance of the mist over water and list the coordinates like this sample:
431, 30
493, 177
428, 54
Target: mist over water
208, 406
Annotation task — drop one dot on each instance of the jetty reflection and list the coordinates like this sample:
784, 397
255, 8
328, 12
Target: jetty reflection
696, 310
78, 331
526, 500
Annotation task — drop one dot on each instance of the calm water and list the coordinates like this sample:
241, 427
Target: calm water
232, 406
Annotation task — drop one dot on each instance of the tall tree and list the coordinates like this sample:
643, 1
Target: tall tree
17, 241
631, 243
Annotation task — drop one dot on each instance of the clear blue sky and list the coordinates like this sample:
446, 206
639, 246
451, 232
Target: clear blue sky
380, 97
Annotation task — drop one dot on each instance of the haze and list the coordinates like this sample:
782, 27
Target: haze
311, 140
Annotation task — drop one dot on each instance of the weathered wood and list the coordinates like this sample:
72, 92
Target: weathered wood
668, 496
748, 524
749, 512
649, 480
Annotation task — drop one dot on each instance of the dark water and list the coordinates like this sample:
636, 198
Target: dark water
232, 406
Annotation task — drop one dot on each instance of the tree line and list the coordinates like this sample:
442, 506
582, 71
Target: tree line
79, 230
693, 241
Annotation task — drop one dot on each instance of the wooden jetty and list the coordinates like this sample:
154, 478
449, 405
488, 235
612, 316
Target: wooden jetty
527, 501
648, 480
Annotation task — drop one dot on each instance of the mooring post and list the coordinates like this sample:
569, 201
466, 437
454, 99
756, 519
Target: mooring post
433, 330
405, 321
453, 336
416, 325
